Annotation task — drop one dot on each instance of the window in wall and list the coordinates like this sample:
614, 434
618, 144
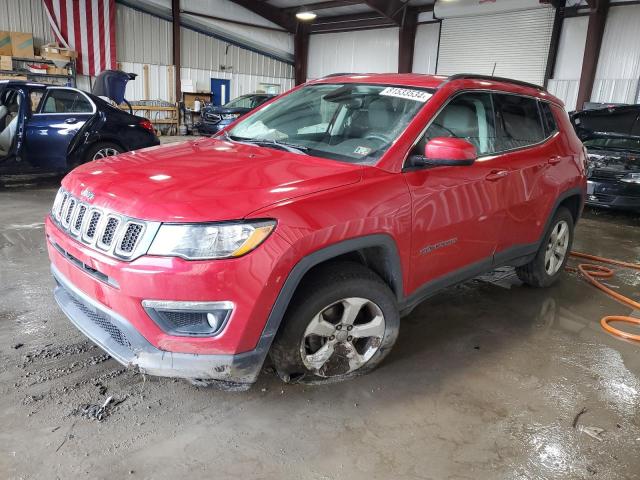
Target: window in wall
66, 101
518, 122
468, 116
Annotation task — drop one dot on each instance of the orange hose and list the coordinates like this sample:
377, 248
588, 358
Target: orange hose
591, 272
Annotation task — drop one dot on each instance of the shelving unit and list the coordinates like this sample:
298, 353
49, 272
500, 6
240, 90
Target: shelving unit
20, 68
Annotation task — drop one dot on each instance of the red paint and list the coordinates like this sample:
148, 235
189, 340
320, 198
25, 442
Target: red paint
478, 210
449, 149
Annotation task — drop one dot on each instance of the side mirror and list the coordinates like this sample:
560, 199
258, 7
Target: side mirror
446, 151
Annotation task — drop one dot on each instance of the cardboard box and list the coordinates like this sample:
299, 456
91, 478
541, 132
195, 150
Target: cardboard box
5, 43
52, 51
22, 44
51, 70
12, 77
187, 85
6, 62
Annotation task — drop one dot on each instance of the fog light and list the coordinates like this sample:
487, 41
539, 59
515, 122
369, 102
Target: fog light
189, 318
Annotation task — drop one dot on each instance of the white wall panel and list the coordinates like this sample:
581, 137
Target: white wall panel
566, 76
425, 51
365, 51
26, 16
517, 43
619, 61
160, 84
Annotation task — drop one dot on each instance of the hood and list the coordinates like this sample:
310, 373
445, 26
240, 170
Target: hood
204, 180
608, 122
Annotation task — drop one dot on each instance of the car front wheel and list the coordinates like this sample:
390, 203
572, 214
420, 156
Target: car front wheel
342, 322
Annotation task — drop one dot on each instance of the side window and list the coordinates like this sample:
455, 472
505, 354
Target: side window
66, 101
518, 122
36, 96
548, 119
468, 116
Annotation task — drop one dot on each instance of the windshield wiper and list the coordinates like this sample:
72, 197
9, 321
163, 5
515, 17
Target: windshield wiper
289, 147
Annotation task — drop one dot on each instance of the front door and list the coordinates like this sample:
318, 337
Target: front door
457, 211
49, 131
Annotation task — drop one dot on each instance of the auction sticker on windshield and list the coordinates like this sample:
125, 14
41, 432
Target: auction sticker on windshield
406, 93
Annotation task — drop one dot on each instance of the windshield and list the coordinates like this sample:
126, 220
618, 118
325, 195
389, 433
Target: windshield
629, 144
348, 122
247, 101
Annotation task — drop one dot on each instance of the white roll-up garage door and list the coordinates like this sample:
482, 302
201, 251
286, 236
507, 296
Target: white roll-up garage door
517, 43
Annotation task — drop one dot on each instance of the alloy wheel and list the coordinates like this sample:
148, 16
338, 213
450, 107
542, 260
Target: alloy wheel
342, 337
557, 248
105, 152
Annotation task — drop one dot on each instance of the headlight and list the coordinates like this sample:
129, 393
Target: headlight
206, 241
230, 116
631, 178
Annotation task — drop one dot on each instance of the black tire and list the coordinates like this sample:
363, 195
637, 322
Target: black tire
323, 291
94, 149
536, 273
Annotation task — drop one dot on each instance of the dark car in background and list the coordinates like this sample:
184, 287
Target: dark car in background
216, 117
612, 137
52, 129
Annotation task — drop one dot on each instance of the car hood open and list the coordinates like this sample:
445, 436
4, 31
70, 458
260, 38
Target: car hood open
204, 180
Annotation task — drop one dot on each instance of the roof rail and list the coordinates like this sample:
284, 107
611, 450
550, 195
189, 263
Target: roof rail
473, 76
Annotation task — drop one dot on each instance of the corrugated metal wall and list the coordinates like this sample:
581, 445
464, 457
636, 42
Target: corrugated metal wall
618, 73
145, 39
367, 51
26, 16
566, 77
425, 51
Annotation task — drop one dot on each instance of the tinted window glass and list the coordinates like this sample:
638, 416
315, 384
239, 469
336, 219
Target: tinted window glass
66, 101
468, 116
547, 119
518, 122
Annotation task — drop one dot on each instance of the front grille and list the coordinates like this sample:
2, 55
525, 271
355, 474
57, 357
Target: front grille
114, 234
130, 238
102, 321
212, 117
93, 225
602, 174
109, 232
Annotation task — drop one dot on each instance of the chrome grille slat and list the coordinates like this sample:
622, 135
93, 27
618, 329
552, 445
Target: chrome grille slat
100, 228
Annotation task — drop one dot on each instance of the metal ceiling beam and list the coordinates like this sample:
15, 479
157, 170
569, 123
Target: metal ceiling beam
275, 15
394, 10
343, 23
324, 5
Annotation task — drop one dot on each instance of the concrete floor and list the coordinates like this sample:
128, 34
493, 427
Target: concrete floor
484, 382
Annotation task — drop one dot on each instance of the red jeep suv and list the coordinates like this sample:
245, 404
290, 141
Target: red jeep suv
308, 228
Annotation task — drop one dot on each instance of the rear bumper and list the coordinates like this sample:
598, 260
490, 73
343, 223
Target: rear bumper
116, 336
613, 194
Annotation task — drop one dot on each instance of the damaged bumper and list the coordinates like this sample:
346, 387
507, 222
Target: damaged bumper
115, 335
613, 194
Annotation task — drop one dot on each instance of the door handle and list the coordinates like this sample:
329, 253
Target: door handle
554, 160
497, 175
70, 120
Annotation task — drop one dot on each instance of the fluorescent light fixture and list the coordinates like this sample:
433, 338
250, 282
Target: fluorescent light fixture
306, 15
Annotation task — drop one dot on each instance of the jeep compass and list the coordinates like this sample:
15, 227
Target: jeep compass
307, 229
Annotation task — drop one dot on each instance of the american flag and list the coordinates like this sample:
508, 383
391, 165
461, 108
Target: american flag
88, 27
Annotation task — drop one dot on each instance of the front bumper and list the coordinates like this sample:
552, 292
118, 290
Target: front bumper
613, 194
207, 127
116, 336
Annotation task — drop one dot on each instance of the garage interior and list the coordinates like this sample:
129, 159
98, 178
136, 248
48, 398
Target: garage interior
488, 379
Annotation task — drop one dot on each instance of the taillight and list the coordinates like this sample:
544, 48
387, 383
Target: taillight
147, 125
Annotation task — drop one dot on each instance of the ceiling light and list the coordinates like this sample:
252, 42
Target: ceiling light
306, 15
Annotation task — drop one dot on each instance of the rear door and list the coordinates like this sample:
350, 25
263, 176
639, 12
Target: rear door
527, 145
61, 114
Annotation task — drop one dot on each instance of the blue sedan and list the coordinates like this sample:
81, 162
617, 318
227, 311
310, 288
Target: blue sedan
52, 129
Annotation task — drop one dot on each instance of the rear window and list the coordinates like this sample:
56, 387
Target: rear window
548, 119
518, 122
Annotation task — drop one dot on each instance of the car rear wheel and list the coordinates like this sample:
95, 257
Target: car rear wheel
553, 253
342, 322
102, 150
